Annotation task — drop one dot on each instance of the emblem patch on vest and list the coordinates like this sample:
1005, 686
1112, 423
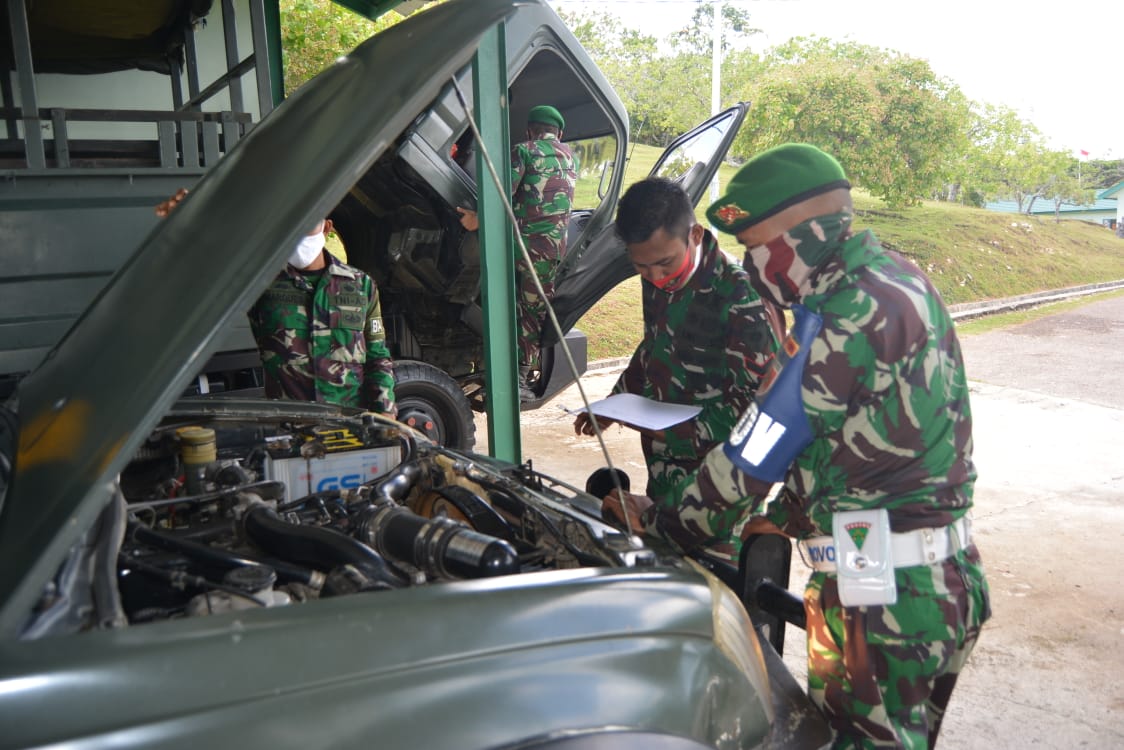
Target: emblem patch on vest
858, 531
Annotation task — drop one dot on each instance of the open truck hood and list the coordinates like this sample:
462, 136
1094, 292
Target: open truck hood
83, 413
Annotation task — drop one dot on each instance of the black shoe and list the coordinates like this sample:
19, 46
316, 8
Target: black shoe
527, 380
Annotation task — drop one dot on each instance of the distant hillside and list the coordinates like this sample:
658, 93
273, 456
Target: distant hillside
969, 253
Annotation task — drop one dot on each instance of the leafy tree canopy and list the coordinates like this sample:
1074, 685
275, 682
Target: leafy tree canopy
316, 32
901, 132
894, 125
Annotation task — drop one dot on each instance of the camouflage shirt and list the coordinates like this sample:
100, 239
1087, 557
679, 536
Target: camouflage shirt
705, 345
322, 339
885, 396
543, 175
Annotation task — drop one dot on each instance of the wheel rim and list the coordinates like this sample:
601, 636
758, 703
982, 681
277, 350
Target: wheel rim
426, 419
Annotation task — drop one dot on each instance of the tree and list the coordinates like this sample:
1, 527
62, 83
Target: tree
314, 33
697, 38
1065, 183
660, 92
1102, 173
1003, 156
630, 61
665, 93
894, 125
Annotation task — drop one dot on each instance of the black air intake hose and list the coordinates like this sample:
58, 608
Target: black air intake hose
397, 483
317, 547
215, 557
439, 546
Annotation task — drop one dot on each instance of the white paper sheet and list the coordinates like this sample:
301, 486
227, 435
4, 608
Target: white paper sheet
641, 412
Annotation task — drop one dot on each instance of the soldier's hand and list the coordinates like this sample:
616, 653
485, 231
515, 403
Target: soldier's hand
613, 509
165, 207
583, 423
469, 219
760, 525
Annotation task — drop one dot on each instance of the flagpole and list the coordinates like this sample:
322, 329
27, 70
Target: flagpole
715, 78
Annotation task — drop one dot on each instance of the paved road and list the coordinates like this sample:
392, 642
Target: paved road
1048, 405
1075, 355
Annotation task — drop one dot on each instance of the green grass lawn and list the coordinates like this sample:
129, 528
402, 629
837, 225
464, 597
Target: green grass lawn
969, 253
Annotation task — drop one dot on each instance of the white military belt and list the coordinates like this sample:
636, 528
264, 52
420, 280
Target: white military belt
909, 548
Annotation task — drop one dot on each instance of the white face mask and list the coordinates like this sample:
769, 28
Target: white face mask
307, 250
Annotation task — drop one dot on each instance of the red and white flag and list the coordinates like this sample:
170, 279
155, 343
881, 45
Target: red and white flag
1084, 154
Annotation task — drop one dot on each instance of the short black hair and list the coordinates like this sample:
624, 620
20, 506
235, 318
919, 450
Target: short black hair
652, 204
600, 482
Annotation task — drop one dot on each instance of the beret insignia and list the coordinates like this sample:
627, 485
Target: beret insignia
731, 213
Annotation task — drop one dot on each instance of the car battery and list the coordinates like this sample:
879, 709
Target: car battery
345, 464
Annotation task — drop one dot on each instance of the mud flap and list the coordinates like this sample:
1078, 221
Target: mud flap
763, 570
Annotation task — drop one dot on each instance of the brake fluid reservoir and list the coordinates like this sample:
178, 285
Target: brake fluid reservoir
197, 449
254, 581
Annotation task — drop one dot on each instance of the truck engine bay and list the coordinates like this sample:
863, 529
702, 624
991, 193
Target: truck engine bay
224, 511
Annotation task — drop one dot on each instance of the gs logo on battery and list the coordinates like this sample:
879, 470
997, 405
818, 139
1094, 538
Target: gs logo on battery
345, 482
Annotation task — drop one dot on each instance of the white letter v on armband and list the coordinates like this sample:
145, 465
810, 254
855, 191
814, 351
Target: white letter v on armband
762, 438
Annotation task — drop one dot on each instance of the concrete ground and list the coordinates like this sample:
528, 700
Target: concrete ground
1048, 406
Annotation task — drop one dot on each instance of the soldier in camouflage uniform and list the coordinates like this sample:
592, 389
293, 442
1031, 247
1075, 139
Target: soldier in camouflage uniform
320, 332
864, 409
543, 174
707, 335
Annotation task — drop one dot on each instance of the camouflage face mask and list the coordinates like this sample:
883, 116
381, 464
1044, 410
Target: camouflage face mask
781, 270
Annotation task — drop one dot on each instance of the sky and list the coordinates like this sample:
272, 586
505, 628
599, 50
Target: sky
1059, 65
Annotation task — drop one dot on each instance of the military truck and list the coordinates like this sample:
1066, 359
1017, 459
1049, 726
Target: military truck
110, 107
200, 561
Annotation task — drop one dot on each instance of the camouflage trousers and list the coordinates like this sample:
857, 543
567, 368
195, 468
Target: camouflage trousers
532, 307
883, 676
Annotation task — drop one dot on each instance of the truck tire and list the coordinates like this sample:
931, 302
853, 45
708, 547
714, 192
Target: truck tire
431, 402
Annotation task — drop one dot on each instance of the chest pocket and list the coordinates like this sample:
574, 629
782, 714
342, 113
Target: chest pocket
704, 364
349, 308
351, 318
284, 308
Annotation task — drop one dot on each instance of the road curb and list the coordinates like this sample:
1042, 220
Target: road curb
607, 364
969, 310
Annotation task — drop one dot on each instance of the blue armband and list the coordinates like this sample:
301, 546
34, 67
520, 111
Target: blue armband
774, 429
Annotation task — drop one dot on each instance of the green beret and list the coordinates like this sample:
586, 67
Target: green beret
771, 182
547, 115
